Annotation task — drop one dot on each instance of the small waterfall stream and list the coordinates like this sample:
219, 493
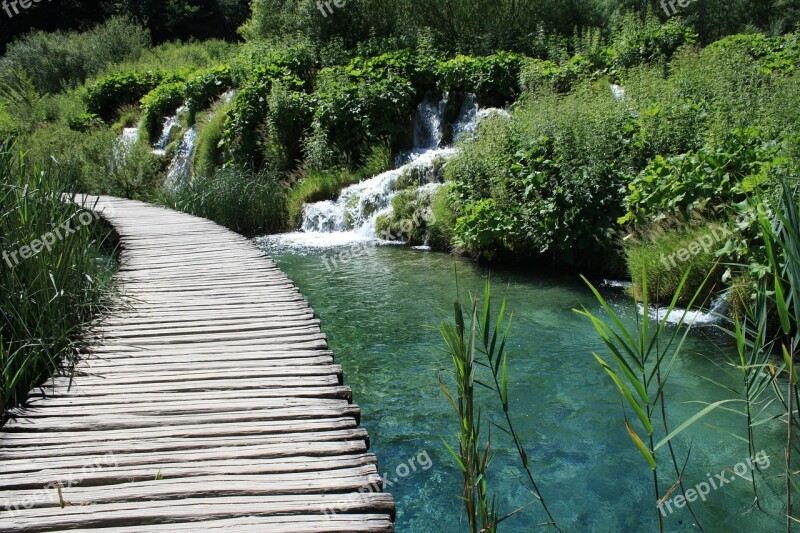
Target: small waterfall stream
170, 125
180, 169
352, 216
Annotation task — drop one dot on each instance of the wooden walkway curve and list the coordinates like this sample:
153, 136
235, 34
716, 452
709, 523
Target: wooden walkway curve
211, 402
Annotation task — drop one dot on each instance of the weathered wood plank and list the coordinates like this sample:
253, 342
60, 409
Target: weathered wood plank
208, 398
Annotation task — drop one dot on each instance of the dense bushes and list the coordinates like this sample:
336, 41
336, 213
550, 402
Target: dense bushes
110, 93
547, 181
58, 61
96, 161
494, 79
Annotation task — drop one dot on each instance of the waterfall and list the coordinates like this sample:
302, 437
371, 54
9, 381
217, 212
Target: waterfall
124, 145
359, 205
428, 130
180, 169
170, 125
719, 306
618, 92
355, 211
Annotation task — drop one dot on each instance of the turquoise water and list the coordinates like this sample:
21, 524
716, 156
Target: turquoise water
377, 310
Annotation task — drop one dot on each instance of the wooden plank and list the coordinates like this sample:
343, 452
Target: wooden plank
339, 523
199, 509
207, 398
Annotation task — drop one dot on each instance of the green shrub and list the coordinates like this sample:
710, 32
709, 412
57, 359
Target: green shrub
707, 181
288, 118
494, 79
359, 110
538, 74
134, 172
208, 153
80, 159
635, 43
249, 111
158, 104
178, 56
546, 182
205, 86
94, 162
108, 94
246, 202
58, 61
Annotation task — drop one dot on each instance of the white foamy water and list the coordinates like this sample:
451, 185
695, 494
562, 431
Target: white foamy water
715, 315
171, 124
352, 216
180, 169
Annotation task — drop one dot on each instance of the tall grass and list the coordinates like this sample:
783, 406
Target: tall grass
241, 200
641, 360
782, 240
59, 60
478, 351
46, 299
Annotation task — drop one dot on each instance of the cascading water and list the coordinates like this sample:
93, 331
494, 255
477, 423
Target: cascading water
359, 205
428, 128
180, 169
714, 315
124, 145
352, 216
170, 125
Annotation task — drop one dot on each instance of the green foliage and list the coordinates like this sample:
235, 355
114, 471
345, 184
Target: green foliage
635, 43
641, 359
707, 181
94, 162
539, 74
477, 348
108, 94
159, 103
547, 181
360, 107
48, 298
245, 202
58, 61
205, 86
208, 153
494, 79
176, 56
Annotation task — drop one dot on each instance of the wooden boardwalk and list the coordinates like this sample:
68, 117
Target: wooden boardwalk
210, 402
